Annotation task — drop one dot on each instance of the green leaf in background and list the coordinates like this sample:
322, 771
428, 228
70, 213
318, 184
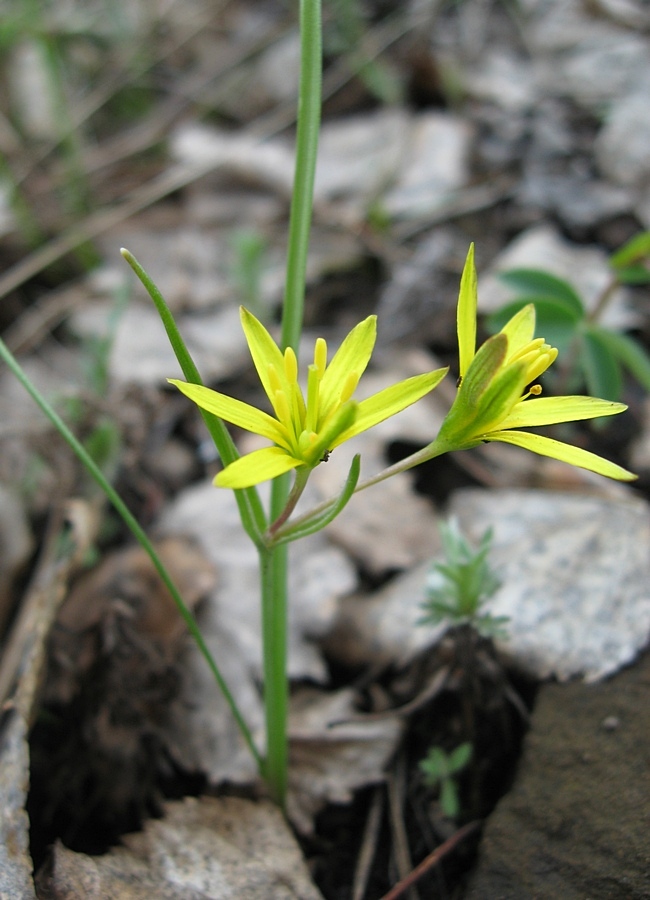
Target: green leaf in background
601, 368
534, 284
629, 353
459, 757
632, 252
633, 275
553, 321
449, 798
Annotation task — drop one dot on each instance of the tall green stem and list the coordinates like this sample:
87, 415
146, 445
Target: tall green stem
273, 562
307, 130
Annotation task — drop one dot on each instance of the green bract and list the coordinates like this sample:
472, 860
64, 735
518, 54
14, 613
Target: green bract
305, 430
497, 393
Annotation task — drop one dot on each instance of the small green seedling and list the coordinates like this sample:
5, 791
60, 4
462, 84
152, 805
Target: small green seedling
439, 767
458, 588
598, 354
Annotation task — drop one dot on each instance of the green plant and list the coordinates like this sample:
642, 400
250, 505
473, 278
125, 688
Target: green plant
492, 403
439, 768
458, 588
596, 354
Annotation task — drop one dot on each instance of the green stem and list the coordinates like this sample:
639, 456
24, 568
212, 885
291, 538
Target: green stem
299, 484
273, 566
307, 129
431, 451
137, 531
273, 561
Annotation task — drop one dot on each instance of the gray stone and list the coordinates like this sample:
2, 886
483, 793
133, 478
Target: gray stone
576, 823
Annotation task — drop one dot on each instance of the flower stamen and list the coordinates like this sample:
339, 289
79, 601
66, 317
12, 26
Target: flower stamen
320, 356
290, 365
349, 386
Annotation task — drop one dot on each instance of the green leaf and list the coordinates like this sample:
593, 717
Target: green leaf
600, 366
382, 82
535, 283
434, 766
449, 798
632, 252
554, 322
633, 275
459, 758
630, 354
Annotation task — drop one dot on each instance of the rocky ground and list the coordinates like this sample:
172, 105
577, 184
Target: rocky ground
521, 127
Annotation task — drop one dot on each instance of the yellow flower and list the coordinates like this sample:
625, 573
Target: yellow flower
305, 431
497, 392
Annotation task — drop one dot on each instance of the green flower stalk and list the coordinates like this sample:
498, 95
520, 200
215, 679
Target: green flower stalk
498, 391
305, 430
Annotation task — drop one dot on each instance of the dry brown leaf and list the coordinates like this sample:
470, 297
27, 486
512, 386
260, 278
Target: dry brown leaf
333, 752
206, 849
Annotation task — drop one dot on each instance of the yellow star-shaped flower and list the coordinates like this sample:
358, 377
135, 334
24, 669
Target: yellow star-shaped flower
304, 430
497, 394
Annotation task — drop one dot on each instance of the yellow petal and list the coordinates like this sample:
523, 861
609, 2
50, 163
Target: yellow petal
235, 411
575, 456
390, 401
264, 351
353, 354
466, 313
549, 410
520, 329
255, 467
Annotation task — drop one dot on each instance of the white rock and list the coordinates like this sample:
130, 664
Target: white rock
503, 79
359, 155
141, 352
31, 91
583, 56
575, 573
319, 575
622, 144
434, 166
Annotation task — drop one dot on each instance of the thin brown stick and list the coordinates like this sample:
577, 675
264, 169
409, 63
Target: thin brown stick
368, 845
396, 790
430, 861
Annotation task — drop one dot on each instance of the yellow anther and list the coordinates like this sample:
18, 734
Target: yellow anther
320, 356
313, 398
290, 365
541, 364
283, 410
524, 352
535, 390
349, 386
